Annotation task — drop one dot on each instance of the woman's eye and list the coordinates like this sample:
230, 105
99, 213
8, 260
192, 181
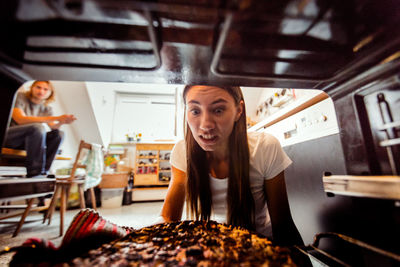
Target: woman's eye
219, 111
194, 111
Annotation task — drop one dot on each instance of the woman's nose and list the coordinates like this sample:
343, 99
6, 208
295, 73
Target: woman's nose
207, 122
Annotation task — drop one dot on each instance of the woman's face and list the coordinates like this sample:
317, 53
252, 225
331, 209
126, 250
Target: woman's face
211, 113
40, 91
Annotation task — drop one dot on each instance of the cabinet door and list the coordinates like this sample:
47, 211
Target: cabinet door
145, 179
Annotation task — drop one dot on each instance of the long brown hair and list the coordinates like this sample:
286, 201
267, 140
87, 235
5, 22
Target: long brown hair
239, 197
50, 99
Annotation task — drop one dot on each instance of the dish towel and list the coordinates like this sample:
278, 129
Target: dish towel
88, 230
94, 162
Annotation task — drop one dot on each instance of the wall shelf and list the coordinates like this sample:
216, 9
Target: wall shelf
151, 174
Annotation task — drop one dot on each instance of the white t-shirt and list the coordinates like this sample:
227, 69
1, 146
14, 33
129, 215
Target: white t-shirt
267, 159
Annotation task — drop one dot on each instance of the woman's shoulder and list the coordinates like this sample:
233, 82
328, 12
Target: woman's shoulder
267, 155
257, 139
178, 155
180, 143
179, 147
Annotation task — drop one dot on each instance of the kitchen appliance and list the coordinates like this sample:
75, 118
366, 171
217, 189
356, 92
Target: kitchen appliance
323, 198
348, 49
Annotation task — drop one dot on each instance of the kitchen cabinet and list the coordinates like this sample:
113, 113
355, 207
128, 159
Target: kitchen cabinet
152, 166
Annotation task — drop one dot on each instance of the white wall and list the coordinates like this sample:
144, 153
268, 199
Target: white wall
256, 96
74, 99
252, 96
102, 100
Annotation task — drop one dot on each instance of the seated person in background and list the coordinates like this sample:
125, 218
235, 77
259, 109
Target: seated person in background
27, 130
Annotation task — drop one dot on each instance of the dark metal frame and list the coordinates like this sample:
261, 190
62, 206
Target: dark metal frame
350, 68
154, 37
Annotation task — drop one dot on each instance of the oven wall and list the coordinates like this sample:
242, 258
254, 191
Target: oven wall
375, 221
311, 208
354, 150
360, 116
389, 112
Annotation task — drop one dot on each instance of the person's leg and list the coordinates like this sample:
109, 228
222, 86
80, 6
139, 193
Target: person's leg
15, 137
32, 138
53, 141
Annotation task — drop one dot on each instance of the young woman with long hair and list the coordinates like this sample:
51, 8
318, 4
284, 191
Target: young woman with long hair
225, 173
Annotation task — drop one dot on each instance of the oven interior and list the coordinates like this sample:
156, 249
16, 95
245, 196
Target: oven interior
349, 49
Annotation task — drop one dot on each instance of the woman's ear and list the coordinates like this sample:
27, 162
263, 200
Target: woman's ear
240, 108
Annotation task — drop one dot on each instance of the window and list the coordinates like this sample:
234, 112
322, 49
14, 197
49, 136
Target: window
152, 115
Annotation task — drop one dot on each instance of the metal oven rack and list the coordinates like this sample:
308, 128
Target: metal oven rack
390, 142
321, 257
391, 129
382, 187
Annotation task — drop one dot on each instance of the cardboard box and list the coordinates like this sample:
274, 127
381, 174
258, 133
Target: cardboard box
114, 180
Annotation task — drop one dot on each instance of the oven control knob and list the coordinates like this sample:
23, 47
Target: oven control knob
324, 118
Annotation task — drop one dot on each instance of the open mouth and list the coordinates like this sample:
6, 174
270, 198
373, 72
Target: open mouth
208, 138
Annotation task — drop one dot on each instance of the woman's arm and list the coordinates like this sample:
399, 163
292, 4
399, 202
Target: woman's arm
283, 228
175, 199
